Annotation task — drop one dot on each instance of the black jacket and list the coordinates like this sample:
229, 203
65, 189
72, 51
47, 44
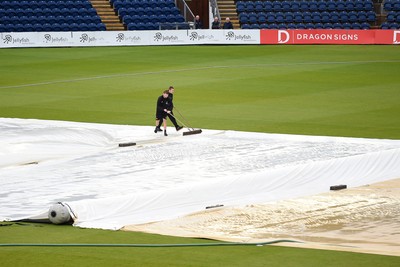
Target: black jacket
215, 25
162, 103
228, 25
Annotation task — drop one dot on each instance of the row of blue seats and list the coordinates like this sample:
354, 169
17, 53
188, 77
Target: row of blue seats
257, 6
393, 16
49, 19
391, 5
148, 11
142, 3
390, 26
47, 11
140, 26
307, 17
284, 26
38, 27
153, 18
44, 4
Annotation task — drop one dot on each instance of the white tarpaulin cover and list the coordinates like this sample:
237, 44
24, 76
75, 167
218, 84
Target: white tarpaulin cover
107, 186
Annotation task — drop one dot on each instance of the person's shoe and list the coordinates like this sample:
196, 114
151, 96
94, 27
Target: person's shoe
179, 128
165, 133
155, 130
159, 129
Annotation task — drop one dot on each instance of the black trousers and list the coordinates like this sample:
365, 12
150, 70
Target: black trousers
173, 120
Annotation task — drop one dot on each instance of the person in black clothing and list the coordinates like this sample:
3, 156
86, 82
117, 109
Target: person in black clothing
215, 24
162, 112
197, 23
228, 24
170, 115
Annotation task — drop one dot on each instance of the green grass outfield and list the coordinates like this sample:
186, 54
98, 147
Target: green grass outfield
314, 90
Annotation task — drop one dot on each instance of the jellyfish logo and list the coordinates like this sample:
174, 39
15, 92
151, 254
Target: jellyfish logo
84, 38
120, 37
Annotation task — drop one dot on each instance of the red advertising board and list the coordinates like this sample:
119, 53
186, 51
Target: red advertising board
329, 36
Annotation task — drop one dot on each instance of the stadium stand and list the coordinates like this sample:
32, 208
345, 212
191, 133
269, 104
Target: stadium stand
39, 15
308, 14
80, 15
392, 9
149, 14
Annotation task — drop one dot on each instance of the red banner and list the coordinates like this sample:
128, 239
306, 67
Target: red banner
329, 36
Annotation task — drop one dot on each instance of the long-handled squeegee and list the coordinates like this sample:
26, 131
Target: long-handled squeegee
191, 129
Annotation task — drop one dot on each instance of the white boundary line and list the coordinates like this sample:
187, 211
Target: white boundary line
196, 69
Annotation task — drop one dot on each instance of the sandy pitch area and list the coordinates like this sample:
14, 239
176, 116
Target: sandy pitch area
364, 219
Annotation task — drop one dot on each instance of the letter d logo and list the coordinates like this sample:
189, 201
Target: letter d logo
283, 36
396, 37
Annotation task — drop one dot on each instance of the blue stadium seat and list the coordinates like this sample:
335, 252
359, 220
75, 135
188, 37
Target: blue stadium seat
356, 26
268, 6
304, 6
349, 5
277, 6
273, 26
334, 17
353, 16
295, 5
154, 18
313, 6
286, 6
346, 25
291, 26
253, 18
316, 17
279, 17
245, 26
65, 27
325, 17
264, 26
131, 27
318, 26
162, 18
331, 5
289, 17
362, 16
371, 16
337, 26
255, 26
340, 5
249, 7
259, 6
282, 26
344, 17
365, 26
146, 18
300, 26
307, 17
394, 26
328, 25
240, 7
271, 17
388, 6
297, 17
262, 18
243, 18
37, 27
322, 6
385, 26
310, 26
369, 5
396, 6
359, 5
